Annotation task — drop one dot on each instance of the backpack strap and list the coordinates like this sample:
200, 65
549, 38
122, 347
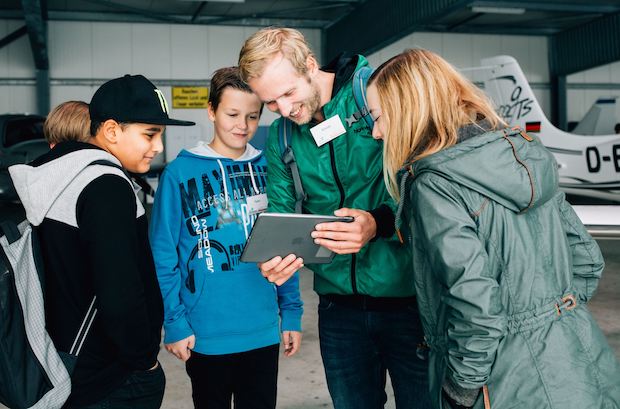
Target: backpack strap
144, 185
285, 128
10, 230
360, 81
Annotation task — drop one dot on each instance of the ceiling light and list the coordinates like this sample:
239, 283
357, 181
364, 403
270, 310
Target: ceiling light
498, 10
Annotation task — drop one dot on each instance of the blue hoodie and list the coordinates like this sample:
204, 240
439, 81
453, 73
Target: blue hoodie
197, 237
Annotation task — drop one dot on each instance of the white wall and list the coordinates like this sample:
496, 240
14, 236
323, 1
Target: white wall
99, 51
466, 51
580, 100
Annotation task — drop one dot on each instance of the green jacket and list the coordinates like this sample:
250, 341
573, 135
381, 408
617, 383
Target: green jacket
496, 252
346, 172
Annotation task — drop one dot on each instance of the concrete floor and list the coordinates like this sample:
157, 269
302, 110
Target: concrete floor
302, 382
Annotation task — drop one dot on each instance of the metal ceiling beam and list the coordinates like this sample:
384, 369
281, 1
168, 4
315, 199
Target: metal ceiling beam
138, 11
536, 5
376, 23
35, 15
495, 30
198, 10
37, 32
587, 46
132, 18
20, 32
275, 13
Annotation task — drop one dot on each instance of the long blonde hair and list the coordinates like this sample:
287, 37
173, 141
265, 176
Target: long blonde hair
424, 101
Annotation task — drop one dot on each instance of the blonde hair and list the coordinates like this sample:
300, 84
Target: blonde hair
69, 121
263, 45
424, 101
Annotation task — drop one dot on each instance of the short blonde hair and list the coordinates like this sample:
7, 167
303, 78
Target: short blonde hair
69, 121
424, 101
263, 45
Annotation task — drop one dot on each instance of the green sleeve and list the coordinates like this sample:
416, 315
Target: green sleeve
458, 260
280, 187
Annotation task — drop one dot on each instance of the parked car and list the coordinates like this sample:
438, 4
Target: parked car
21, 141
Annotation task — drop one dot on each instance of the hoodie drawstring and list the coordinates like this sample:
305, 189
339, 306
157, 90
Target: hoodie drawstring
224, 177
256, 191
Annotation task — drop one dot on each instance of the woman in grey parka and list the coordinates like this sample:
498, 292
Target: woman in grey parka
503, 267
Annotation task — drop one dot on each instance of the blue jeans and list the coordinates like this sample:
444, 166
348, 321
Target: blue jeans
142, 390
359, 346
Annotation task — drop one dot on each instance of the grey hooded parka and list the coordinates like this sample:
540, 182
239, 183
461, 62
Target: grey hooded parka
503, 270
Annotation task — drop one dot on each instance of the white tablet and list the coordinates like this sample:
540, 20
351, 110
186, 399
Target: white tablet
281, 234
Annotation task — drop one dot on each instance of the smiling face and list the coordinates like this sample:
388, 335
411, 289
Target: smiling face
235, 121
287, 92
136, 145
374, 107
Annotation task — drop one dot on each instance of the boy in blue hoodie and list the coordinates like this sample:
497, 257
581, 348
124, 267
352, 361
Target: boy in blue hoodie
221, 316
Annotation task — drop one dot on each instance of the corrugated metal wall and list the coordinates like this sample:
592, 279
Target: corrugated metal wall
587, 46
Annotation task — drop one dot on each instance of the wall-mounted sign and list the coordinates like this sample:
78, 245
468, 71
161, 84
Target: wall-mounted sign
190, 97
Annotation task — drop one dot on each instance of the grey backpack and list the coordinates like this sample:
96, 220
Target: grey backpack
33, 373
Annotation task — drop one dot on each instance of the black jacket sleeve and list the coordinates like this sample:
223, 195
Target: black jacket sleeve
106, 215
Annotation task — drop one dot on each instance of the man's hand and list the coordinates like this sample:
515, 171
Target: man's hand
291, 340
182, 349
346, 238
278, 269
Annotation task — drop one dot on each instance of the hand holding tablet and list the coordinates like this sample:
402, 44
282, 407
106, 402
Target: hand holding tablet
346, 238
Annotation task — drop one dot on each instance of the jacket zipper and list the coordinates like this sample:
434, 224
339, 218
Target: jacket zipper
332, 156
353, 280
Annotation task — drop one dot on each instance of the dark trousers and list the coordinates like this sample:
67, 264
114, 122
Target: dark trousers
359, 346
142, 390
249, 377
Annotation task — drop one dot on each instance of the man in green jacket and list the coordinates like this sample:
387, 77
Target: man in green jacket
368, 320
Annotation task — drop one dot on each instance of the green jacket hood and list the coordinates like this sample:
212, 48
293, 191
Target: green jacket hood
508, 166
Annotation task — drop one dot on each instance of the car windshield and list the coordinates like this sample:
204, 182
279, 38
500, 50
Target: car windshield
23, 129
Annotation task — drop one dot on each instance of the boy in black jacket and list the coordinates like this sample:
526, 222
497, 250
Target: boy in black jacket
98, 265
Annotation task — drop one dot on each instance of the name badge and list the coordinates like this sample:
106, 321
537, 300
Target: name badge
327, 130
257, 203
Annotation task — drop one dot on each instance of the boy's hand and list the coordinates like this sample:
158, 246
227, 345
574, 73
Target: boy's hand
182, 349
278, 269
346, 238
291, 340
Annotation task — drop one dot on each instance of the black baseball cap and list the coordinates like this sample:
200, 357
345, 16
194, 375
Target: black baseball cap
131, 98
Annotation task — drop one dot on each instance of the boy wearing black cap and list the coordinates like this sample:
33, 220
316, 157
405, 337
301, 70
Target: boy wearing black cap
99, 272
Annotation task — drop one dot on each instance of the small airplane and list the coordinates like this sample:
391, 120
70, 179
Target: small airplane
589, 165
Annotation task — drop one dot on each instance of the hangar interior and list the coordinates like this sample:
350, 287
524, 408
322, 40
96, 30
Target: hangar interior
566, 48
56, 50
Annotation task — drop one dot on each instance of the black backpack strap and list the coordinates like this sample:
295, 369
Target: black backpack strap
10, 231
285, 128
144, 185
106, 162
